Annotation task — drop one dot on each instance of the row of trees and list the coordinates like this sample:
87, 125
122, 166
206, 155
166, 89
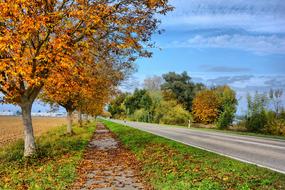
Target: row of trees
71, 52
175, 99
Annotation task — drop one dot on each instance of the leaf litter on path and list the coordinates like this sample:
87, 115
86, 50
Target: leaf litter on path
107, 165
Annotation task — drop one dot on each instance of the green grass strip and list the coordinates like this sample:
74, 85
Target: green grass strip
167, 164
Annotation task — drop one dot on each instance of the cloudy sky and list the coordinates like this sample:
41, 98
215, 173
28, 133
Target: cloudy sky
236, 42
239, 42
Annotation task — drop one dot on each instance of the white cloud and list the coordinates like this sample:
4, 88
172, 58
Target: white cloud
261, 44
245, 84
255, 16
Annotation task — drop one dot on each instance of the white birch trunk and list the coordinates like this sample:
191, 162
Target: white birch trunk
30, 145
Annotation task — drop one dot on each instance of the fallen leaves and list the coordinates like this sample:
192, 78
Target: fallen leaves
115, 167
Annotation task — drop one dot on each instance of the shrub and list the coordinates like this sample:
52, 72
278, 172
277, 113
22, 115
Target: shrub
275, 125
256, 122
172, 113
226, 118
141, 115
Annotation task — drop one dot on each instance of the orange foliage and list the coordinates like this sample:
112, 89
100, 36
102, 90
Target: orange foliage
42, 42
206, 107
37, 37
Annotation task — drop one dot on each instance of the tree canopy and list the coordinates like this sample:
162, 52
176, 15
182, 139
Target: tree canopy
215, 105
180, 87
41, 40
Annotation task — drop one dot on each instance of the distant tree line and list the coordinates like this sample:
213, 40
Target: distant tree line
176, 100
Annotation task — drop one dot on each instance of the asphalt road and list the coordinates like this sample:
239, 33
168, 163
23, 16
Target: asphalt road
264, 152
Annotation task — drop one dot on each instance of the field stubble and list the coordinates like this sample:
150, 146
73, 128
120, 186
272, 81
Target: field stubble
11, 127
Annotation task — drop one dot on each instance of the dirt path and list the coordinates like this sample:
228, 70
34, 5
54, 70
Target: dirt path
107, 165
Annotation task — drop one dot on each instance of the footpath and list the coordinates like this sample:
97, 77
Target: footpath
107, 165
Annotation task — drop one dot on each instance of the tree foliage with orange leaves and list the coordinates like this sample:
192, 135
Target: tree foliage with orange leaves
39, 38
86, 91
206, 107
215, 105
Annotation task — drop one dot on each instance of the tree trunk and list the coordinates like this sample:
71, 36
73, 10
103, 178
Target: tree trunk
30, 145
69, 122
80, 118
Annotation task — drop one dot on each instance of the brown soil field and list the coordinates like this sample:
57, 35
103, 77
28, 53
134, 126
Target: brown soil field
11, 127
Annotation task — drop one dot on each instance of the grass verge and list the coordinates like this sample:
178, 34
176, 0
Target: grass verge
167, 164
54, 165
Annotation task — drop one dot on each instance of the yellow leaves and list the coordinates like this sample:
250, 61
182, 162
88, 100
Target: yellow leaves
196, 169
40, 169
152, 3
226, 178
44, 44
6, 179
206, 107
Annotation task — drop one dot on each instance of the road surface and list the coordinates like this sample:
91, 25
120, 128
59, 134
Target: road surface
264, 152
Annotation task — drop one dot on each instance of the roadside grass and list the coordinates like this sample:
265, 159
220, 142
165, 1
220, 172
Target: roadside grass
167, 164
53, 167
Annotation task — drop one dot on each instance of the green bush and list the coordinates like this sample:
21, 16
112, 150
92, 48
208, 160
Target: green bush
141, 115
172, 113
275, 125
256, 122
226, 118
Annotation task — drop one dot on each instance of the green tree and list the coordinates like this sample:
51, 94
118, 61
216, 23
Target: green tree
116, 106
180, 87
156, 97
228, 106
139, 100
256, 115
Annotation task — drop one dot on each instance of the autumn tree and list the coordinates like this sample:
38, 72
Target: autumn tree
215, 105
206, 107
67, 91
37, 37
87, 90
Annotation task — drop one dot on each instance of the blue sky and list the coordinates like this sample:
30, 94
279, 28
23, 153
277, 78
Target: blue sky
238, 42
